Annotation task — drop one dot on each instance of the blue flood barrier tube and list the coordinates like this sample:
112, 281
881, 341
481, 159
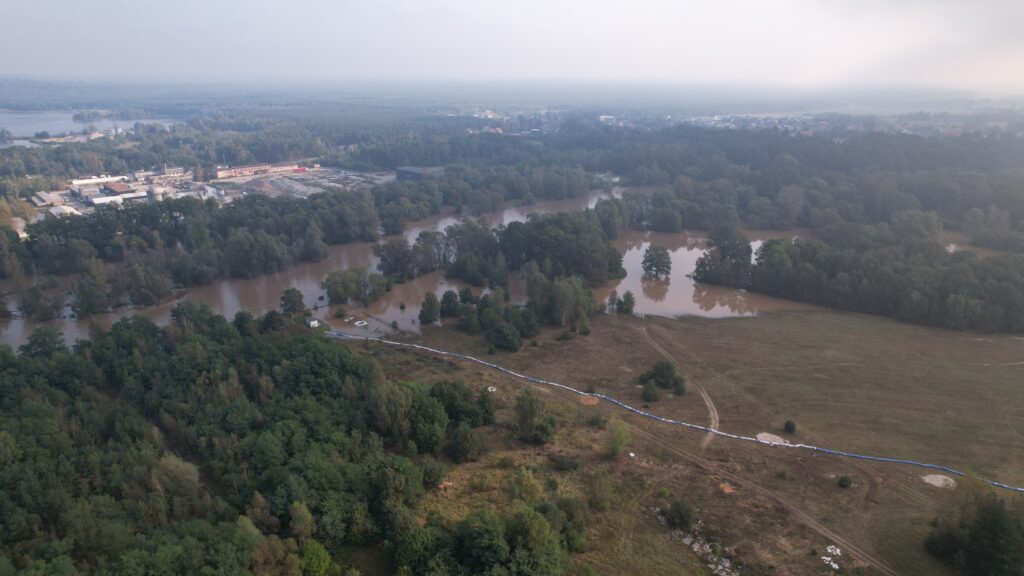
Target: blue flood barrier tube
681, 423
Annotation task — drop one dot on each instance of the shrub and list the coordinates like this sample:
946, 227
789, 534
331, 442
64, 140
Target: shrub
845, 481
506, 337
465, 444
650, 392
564, 462
679, 515
523, 486
599, 491
534, 420
664, 375
619, 439
434, 472
790, 427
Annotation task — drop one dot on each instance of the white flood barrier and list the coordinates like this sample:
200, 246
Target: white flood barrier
339, 334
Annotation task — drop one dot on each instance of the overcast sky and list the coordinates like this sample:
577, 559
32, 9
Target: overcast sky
965, 44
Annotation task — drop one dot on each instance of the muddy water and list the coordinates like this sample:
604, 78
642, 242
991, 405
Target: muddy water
676, 296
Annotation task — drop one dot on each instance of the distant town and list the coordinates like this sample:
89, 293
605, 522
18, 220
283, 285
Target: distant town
85, 195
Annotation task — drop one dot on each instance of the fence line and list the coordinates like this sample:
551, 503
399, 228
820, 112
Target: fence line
682, 423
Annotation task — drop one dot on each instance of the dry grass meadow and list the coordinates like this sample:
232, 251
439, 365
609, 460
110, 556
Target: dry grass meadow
852, 382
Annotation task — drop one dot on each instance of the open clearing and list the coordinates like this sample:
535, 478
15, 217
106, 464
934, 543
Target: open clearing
852, 382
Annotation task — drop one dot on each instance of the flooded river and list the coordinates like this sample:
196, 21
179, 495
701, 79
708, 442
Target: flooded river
675, 296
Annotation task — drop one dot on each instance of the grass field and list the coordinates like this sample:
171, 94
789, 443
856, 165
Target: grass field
851, 382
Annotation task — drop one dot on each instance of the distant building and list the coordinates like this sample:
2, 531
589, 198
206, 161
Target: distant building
312, 322
86, 192
173, 171
143, 174
60, 211
253, 169
118, 199
97, 180
116, 188
45, 199
156, 193
414, 173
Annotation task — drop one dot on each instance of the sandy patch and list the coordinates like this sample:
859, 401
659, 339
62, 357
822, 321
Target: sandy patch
766, 437
587, 400
940, 481
726, 488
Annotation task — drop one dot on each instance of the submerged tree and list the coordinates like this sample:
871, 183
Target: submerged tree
430, 309
657, 262
626, 304
727, 261
449, 304
291, 301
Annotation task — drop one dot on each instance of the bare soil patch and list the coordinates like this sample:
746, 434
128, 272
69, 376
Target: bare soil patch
773, 438
940, 481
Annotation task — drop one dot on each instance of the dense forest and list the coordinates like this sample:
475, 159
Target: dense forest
770, 179
897, 270
874, 202
218, 447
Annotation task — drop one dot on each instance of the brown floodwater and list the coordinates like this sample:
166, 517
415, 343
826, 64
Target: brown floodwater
678, 295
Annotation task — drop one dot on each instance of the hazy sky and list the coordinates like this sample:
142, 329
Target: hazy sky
968, 44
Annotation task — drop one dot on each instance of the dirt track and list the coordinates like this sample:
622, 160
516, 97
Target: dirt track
713, 468
710, 404
739, 481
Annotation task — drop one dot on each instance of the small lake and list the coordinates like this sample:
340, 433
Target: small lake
675, 296
25, 124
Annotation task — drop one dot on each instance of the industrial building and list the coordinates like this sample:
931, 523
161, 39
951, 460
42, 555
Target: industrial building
45, 199
253, 169
116, 188
118, 199
96, 180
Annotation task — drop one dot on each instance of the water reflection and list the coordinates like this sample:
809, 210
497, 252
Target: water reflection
678, 294
655, 289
